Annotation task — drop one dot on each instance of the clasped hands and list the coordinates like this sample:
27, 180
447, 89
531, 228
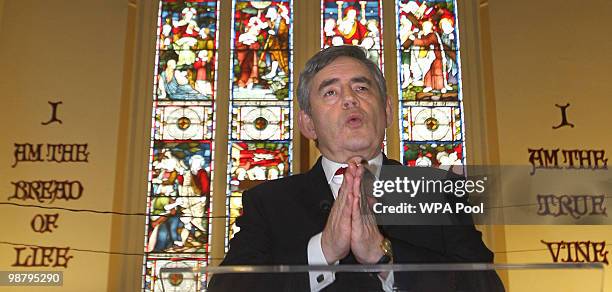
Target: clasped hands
345, 229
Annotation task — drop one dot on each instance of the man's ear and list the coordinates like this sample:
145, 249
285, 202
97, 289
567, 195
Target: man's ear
306, 125
389, 111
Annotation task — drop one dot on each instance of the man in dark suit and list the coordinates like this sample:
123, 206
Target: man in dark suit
315, 219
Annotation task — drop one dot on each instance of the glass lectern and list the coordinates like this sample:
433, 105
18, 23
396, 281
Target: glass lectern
584, 277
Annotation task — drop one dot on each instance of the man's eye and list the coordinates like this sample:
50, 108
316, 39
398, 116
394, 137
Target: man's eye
361, 88
330, 93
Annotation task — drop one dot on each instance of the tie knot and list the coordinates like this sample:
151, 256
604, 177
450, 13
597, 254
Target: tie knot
340, 171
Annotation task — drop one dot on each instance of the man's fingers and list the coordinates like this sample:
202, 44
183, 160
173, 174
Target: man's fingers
345, 199
342, 213
350, 170
347, 208
357, 182
356, 213
346, 187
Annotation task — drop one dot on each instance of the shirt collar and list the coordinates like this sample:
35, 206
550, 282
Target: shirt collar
330, 167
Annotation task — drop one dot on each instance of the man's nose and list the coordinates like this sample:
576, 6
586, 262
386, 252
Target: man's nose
349, 99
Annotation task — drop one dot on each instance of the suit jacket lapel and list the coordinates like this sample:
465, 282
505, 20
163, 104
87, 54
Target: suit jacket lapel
387, 161
316, 195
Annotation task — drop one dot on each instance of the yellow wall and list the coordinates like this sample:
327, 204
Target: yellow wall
70, 52
546, 53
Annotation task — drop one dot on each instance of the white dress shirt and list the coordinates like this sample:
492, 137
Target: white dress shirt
322, 279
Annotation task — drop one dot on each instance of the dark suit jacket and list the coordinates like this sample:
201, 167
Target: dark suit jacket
279, 218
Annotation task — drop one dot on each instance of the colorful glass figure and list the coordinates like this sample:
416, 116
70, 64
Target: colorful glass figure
444, 155
428, 50
253, 163
353, 22
261, 48
187, 50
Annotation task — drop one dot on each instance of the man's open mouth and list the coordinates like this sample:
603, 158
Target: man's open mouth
354, 120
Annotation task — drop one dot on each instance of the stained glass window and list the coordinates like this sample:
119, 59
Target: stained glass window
431, 121
261, 110
259, 130
181, 169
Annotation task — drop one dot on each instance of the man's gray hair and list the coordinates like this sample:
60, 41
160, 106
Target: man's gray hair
324, 58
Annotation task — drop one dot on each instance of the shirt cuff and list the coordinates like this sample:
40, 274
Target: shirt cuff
319, 279
387, 284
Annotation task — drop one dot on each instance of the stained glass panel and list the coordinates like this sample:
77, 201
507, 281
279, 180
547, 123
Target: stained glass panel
254, 78
252, 163
260, 123
179, 206
261, 48
353, 22
429, 87
260, 131
174, 281
187, 50
428, 75
262, 24
437, 123
428, 50
175, 159
190, 79
442, 155
180, 170
183, 122
257, 161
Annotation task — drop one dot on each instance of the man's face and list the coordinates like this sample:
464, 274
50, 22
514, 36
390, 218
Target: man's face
348, 117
